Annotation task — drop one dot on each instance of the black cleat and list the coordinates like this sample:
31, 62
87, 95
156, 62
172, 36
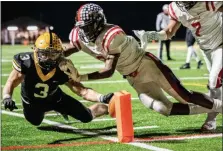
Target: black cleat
199, 64
66, 118
185, 66
171, 59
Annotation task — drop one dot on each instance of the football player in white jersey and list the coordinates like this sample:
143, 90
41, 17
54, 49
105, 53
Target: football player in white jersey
204, 19
144, 72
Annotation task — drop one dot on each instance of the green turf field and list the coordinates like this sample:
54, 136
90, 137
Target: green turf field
152, 130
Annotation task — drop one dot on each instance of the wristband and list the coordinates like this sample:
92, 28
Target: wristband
6, 96
100, 98
162, 35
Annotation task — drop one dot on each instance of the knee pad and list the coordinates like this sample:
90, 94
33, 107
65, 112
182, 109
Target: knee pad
155, 105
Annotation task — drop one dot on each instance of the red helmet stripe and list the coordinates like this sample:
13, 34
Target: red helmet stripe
79, 13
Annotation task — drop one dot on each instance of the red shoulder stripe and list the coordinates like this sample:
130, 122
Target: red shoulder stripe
106, 35
112, 37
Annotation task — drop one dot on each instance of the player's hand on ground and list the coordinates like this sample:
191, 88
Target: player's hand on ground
106, 98
68, 68
9, 104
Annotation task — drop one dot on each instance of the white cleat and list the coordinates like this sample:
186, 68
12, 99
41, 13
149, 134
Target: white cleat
209, 127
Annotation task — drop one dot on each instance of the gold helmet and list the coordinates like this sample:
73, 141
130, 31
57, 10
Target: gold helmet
48, 50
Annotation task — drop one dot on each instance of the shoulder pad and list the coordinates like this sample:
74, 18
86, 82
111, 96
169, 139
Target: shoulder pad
113, 38
22, 61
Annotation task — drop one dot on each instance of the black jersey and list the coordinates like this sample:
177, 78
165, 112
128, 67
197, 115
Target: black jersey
38, 84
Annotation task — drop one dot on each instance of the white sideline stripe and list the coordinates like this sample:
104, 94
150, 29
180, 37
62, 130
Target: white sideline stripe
114, 139
182, 138
85, 101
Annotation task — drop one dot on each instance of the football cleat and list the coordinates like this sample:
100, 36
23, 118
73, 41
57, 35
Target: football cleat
209, 127
66, 118
199, 64
185, 66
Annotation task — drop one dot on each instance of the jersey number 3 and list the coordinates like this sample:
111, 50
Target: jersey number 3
197, 25
44, 93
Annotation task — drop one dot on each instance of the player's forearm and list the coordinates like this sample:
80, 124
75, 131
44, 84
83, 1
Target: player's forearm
86, 93
97, 75
70, 50
106, 72
90, 95
14, 79
172, 28
8, 90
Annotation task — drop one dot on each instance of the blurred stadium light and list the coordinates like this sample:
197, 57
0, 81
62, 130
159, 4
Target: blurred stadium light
12, 28
32, 28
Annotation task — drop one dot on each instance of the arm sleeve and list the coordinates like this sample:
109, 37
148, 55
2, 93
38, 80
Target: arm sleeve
20, 62
158, 22
74, 38
213, 6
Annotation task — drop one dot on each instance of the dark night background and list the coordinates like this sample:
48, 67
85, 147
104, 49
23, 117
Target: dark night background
61, 14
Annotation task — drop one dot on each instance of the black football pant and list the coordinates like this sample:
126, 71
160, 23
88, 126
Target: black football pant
34, 112
167, 43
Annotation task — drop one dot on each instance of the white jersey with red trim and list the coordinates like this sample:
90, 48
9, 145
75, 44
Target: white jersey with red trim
203, 20
112, 40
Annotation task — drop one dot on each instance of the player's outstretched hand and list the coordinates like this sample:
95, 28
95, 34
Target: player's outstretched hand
68, 68
9, 104
106, 98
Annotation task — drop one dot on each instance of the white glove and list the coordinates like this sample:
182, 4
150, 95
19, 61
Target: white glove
142, 37
148, 36
68, 68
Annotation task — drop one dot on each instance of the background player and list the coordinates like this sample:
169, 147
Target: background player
190, 40
40, 76
144, 72
204, 19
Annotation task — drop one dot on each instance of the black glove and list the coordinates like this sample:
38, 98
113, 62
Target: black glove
9, 104
106, 98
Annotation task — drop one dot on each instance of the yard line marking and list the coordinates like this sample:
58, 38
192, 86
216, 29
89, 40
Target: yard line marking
101, 65
168, 138
121, 81
57, 145
135, 128
110, 138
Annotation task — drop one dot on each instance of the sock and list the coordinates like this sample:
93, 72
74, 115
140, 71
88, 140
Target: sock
195, 55
189, 53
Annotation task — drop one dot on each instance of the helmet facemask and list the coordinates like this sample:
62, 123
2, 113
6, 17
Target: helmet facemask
48, 59
90, 25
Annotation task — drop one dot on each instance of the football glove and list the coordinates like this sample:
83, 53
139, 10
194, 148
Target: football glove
149, 36
9, 104
68, 68
106, 98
